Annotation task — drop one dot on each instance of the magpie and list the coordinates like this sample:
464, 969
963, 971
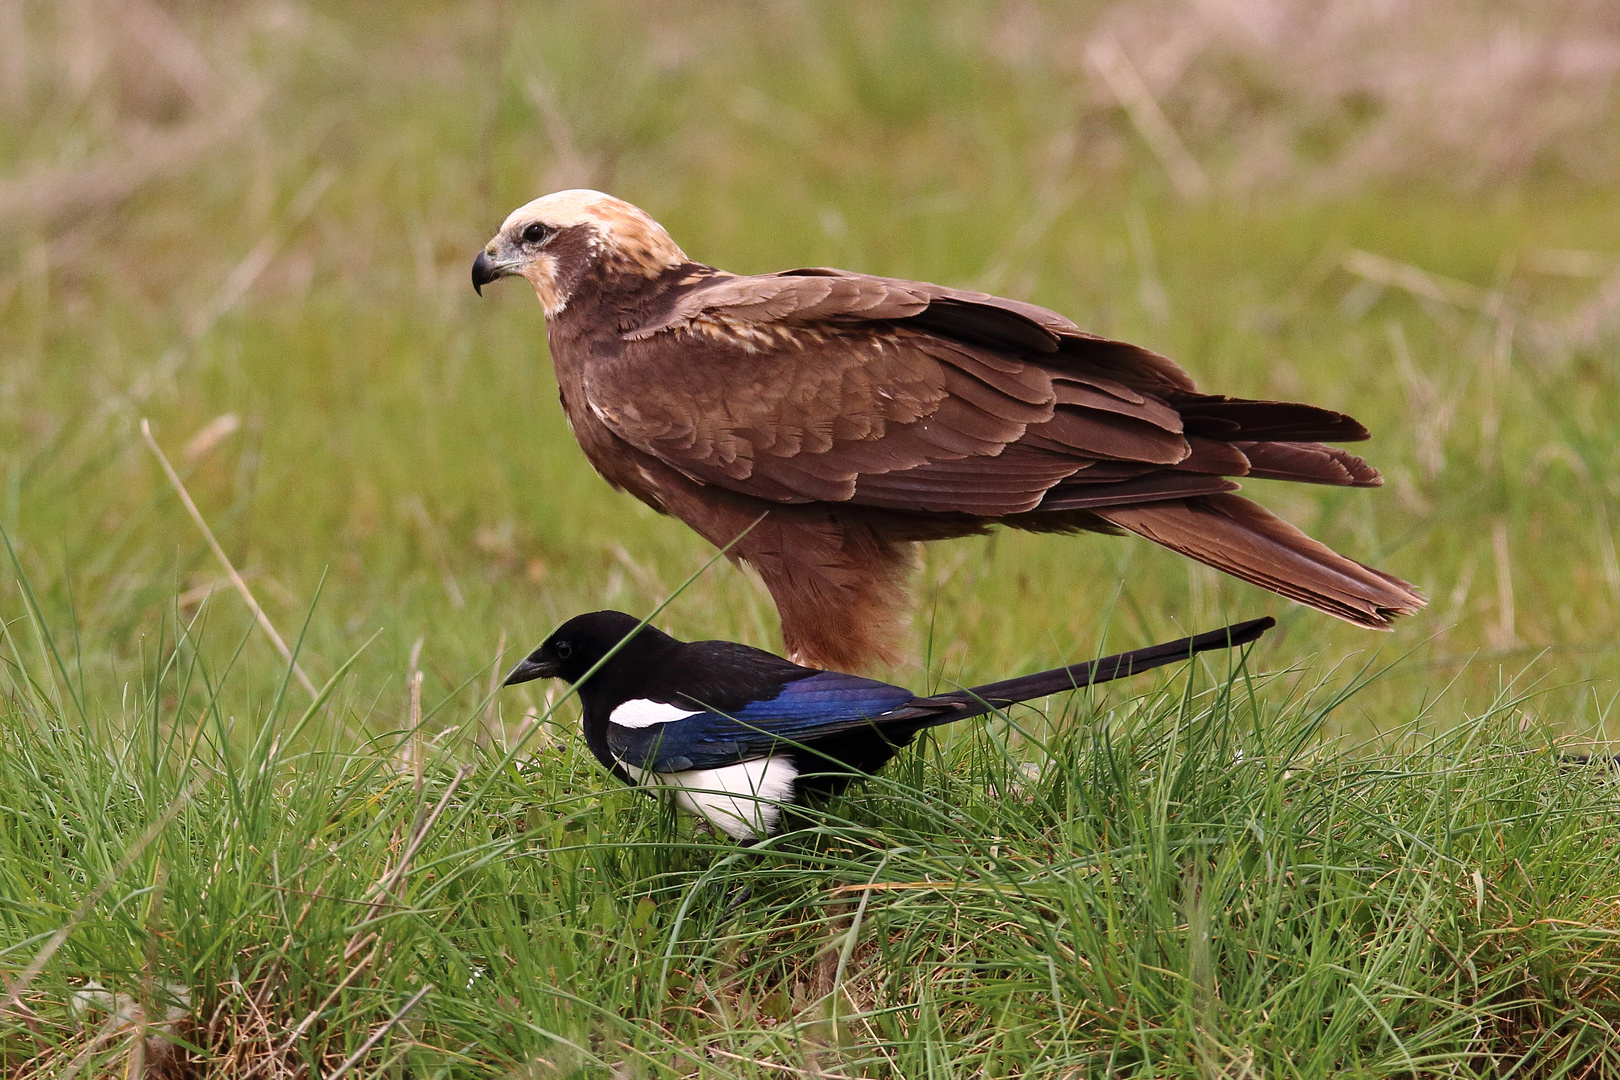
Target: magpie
737, 733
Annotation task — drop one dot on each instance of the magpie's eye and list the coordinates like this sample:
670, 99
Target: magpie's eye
535, 232
562, 648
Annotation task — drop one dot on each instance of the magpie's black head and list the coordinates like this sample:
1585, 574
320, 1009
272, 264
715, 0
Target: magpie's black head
578, 644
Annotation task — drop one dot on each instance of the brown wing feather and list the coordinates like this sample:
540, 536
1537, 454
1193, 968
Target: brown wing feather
797, 297
818, 385
1013, 482
1110, 435
1213, 456
1015, 326
1219, 417
1151, 487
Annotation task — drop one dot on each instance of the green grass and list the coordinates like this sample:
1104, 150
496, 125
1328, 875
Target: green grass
1180, 883
403, 496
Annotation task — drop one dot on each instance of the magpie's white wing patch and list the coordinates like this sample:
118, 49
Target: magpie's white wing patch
642, 712
741, 800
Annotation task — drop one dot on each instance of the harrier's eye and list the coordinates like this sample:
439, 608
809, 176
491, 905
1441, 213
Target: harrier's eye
562, 648
535, 232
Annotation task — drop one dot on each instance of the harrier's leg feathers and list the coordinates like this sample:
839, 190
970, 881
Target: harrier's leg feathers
840, 587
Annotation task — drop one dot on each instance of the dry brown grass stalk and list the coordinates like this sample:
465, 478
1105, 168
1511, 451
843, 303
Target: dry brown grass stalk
376, 1036
1334, 94
1125, 83
230, 569
490, 718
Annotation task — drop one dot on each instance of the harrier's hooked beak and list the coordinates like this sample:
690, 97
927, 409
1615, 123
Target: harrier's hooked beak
530, 667
489, 267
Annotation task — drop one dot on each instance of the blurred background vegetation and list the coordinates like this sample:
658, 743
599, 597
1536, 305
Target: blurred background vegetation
252, 223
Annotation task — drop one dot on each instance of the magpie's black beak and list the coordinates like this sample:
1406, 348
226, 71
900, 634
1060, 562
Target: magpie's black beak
529, 669
484, 271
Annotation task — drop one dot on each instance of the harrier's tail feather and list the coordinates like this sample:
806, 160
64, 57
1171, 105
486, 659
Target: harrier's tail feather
1241, 538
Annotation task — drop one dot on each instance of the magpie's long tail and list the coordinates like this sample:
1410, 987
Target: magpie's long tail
961, 704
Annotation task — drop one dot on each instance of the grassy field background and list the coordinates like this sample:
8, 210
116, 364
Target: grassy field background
252, 225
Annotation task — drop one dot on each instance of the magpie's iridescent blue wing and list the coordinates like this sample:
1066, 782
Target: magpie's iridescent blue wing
804, 710
806, 705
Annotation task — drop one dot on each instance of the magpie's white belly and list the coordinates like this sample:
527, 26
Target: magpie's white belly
644, 712
742, 800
